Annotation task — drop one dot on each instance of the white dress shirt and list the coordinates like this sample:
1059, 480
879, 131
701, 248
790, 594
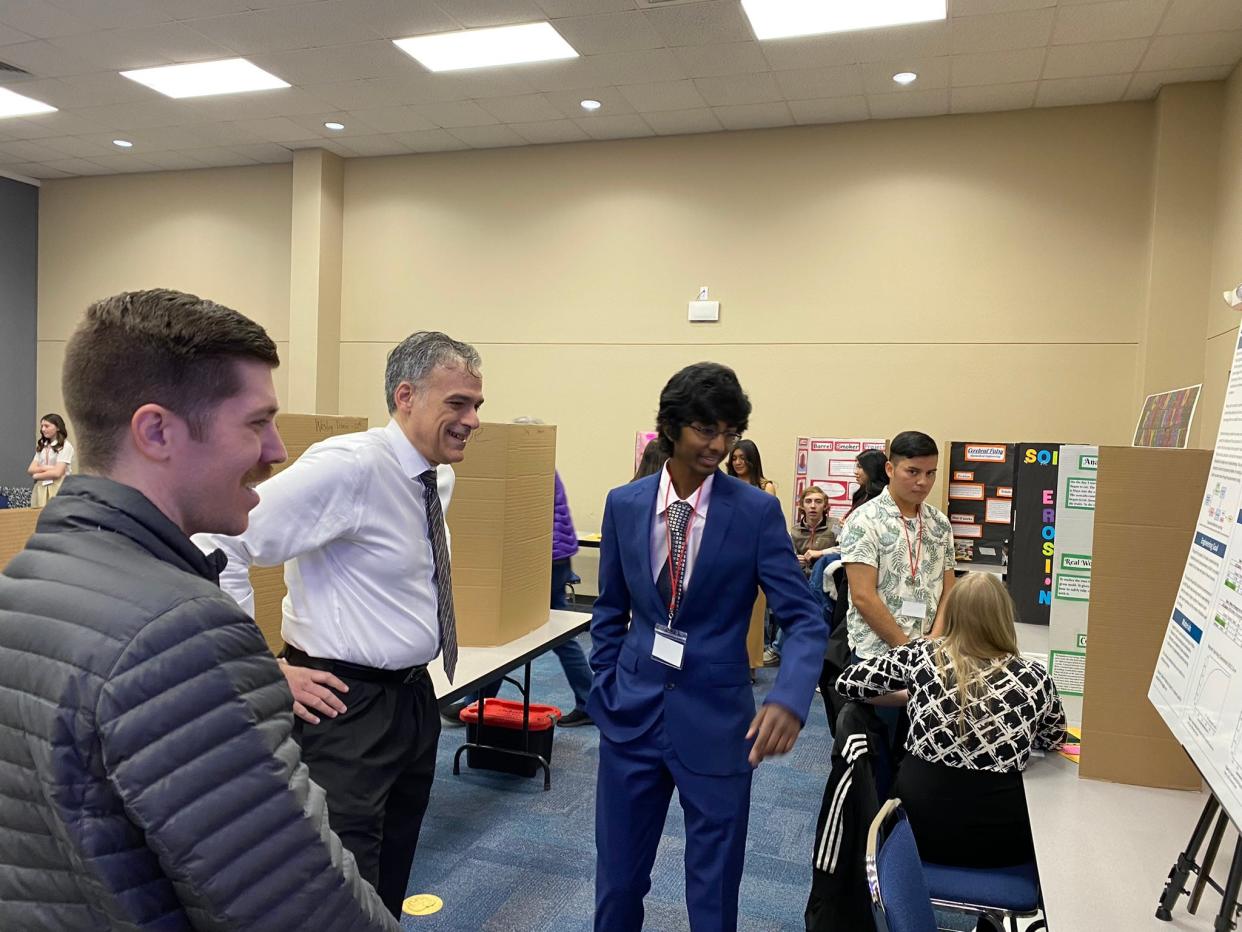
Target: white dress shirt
349, 523
659, 526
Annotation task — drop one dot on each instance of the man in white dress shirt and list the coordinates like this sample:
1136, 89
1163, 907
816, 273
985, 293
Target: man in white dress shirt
358, 522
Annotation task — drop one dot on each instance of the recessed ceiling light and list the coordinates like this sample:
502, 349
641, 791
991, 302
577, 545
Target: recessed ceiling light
16, 105
780, 19
230, 76
333, 125
905, 77
591, 105
123, 143
482, 48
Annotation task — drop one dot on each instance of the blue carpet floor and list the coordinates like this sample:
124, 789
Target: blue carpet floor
505, 856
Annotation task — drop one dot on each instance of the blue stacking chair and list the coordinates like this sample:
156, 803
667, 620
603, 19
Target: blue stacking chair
996, 894
900, 899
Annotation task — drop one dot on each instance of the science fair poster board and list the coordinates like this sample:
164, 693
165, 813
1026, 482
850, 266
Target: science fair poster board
1196, 686
980, 501
829, 463
1165, 418
1071, 575
1033, 530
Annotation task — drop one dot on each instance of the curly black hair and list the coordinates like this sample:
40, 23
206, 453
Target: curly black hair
706, 392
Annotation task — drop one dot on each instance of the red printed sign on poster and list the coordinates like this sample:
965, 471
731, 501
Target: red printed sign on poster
829, 464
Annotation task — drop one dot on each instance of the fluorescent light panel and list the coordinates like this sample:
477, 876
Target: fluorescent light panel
12, 105
782, 19
485, 48
204, 79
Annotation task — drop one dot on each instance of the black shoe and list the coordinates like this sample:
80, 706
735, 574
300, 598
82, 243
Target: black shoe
451, 714
575, 719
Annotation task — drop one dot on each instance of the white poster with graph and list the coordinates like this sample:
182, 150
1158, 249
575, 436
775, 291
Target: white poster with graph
1196, 686
829, 463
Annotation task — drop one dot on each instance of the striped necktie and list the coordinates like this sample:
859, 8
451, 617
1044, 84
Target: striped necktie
444, 573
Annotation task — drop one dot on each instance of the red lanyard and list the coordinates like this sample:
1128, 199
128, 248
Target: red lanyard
680, 565
916, 556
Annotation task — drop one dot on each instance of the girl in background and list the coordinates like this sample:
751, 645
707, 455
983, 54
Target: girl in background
746, 464
52, 461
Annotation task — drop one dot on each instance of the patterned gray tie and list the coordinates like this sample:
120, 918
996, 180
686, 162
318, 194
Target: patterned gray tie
444, 573
677, 518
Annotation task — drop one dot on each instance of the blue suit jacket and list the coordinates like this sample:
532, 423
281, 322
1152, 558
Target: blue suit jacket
707, 706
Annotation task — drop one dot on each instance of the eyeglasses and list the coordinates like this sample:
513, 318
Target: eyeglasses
710, 433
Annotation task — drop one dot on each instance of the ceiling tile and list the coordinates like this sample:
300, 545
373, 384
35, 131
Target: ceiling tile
41, 19
1103, 22
256, 105
45, 60
919, 40
462, 85
393, 119
138, 116
474, 13
680, 122
527, 108
80, 147
549, 131
1000, 31
912, 104
569, 103
878, 78
89, 90
558, 8
227, 134
738, 89
398, 19
636, 67
450, 115
996, 67
713, 60
830, 110
31, 151
664, 95
377, 145
1193, 51
621, 126
562, 75
814, 51
1201, 16
432, 140
609, 32
35, 170
11, 36
273, 129
1146, 84
116, 14
199, 9
312, 124
307, 25
328, 145
1092, 58
753, 116
267, 152
122, 49
818, 83
44, 125
73, 166
700, 24
1072, 91
977, 7
487, 137
363, 95
221, 157
331, 65
997, 97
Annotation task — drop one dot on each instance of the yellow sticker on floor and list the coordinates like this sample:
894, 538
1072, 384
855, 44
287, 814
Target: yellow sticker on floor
422, 904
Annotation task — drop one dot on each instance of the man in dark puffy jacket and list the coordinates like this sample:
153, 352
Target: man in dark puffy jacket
148, 776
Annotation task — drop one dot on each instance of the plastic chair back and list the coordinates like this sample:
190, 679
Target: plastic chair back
900, 901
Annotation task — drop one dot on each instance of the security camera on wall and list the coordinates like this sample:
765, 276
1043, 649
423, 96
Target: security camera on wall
1233, 298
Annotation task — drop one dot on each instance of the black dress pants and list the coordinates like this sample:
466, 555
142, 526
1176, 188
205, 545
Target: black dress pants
376, 763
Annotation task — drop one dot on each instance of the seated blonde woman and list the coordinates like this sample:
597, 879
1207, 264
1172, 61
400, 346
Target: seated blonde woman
977, 709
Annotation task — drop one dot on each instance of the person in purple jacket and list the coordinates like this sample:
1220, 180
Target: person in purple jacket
571, 655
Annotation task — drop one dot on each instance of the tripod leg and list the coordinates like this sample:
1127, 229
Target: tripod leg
1229, 896
1180, 872
1209, 859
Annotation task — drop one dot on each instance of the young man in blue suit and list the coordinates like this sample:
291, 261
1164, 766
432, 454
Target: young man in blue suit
682, 557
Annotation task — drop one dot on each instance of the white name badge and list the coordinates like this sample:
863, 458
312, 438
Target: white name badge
914, 608
668, 646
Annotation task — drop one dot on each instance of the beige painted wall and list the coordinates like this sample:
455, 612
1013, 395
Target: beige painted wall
977, 277
1222, 321
220, 233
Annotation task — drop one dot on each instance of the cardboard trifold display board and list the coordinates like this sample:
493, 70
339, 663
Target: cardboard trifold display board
1146, 506
16, 526
501, 525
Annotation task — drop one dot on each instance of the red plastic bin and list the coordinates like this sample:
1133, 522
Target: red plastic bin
503, 729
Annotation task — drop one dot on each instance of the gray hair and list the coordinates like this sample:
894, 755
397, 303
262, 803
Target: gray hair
413, 358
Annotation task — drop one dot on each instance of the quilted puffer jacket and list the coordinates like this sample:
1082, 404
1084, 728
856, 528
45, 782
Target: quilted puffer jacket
564, 537
148, 776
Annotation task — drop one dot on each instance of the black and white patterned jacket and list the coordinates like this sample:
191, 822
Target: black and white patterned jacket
1020, 710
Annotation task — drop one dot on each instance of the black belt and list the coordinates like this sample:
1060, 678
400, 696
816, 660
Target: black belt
404, 676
